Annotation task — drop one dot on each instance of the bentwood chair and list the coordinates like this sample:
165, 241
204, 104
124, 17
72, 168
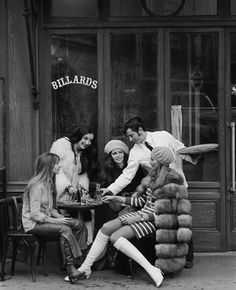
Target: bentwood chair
11, 230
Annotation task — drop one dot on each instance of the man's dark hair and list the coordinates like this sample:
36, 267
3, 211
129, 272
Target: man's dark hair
134, 124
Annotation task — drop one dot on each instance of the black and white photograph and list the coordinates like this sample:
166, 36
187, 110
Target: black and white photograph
118, 144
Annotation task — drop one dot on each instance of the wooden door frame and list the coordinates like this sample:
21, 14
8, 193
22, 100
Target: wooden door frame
228, 158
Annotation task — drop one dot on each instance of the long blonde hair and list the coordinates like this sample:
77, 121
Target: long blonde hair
43, 169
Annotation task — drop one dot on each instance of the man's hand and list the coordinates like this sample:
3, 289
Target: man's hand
105, 191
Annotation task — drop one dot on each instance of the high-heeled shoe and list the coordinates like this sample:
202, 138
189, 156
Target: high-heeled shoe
86, 275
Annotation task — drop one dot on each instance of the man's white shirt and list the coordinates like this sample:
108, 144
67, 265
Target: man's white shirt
141, 155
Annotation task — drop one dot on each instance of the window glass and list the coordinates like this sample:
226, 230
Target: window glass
194, 83
70, 8
134, 79
233, 7
74, 81
162, 7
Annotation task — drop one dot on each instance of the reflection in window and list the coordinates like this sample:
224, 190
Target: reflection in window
134, 79
74, 81
194, 77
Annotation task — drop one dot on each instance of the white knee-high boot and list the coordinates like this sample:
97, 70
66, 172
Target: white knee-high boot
95, 251
131, 251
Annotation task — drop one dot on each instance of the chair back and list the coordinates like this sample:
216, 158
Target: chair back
9, 215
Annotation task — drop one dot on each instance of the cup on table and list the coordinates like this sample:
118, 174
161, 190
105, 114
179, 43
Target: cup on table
98, 195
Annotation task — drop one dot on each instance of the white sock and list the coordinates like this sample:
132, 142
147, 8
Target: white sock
95, 251
131, 251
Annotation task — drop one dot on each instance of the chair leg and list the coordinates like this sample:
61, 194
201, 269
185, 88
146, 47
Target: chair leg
4, 256
39, 254
44, 260
32, 259
15, 245
132, 268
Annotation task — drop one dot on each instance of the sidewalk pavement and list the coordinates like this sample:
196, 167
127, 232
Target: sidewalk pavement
211, 271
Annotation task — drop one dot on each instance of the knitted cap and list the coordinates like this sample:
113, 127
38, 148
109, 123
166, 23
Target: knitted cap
163, 154
116, 144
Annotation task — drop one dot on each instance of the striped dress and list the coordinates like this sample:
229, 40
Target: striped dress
146, 204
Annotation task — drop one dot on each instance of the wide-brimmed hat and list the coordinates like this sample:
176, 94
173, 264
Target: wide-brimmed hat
116, 144
163, 154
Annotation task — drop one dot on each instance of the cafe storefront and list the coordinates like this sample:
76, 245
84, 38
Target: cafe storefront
102, 62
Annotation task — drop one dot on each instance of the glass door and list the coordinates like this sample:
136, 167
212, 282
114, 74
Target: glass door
192, 104
74, 81
134, 79
194, 98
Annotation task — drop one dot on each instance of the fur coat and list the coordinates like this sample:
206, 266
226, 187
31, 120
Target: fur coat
70, 170
173, 221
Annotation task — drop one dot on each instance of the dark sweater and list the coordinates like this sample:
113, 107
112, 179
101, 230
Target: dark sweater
110, 175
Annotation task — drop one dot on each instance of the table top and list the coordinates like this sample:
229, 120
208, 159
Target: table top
73, 205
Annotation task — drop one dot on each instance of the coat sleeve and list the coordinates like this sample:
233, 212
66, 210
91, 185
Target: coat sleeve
61, 183
36, 193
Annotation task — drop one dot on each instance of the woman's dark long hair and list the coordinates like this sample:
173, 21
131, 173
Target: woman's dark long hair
111, 164
89, 155
106, 176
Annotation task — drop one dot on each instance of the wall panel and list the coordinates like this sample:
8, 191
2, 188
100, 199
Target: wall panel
21, 123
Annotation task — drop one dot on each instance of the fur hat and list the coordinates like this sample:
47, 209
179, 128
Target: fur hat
116, 144
163, 154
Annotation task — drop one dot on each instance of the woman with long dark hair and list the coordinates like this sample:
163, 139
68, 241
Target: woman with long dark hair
116, 157
40, 217
77, 165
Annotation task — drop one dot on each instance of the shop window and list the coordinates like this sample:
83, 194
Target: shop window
233, 7
162, 7
74, 82
70, 8
194, 83
134, 79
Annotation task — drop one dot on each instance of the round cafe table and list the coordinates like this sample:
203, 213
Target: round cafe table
74, 205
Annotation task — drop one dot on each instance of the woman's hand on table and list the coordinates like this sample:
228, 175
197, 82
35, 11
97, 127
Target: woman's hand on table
71, 190
108, 198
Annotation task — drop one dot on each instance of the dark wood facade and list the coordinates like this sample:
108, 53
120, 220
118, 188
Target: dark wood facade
27, 130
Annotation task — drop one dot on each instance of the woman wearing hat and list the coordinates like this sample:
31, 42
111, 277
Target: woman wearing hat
136, 224
117, 153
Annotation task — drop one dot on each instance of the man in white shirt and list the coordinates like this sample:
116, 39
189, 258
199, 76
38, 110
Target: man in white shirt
140, 154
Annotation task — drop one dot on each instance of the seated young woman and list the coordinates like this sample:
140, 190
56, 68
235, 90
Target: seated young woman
116, 157
135, 224
39, 216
